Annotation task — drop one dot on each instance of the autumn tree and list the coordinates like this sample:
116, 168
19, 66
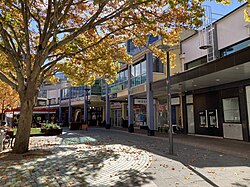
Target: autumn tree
83, 38
8, 98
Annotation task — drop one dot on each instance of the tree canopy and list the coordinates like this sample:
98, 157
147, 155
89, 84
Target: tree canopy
83, 38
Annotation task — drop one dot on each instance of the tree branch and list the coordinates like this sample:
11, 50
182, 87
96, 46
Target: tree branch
5, 79
25, 14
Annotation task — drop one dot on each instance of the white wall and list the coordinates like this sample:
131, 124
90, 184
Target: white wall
232, 29
190, 47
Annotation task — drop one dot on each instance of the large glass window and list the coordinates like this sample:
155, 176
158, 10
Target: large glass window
65, 93
195, 63
143, 67
132, 71
137, 69
126, 74
234, 48
42, 94
231, 110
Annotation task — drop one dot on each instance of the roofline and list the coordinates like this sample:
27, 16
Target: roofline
228, 14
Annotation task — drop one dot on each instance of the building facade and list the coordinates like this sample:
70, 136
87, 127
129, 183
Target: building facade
214, 86
210, 86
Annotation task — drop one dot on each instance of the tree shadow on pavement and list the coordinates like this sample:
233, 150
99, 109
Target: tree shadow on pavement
132, 178
67, 166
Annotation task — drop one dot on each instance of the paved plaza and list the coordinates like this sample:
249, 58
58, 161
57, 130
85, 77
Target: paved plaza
101, 157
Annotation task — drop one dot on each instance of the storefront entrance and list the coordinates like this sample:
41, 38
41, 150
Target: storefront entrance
116, 117
140, 116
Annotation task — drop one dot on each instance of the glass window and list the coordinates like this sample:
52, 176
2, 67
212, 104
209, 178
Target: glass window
137, 69
231, 110
132, 71
157, 65
143, 67
234, 48
122, 76
143, 78
137, 80
126, 74
195, 63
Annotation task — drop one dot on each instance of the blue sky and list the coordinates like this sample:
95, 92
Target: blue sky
223, 9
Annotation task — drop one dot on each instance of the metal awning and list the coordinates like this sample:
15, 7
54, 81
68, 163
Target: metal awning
231, 68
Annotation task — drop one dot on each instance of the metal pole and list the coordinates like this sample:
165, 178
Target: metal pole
87, 107
49, 111
108, 124
171, 152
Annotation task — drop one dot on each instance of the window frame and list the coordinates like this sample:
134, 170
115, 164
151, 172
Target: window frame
233, 122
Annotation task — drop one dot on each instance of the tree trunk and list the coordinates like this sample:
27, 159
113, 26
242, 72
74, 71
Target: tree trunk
24, 124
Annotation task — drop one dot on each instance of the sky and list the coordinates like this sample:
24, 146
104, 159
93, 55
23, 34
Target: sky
222, 9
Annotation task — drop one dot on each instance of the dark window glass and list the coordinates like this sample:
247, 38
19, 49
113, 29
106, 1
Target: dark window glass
234, 48
157, 65
195, 63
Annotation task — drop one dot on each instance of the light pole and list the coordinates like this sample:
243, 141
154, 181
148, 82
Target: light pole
86, 104
49, 110
166, 48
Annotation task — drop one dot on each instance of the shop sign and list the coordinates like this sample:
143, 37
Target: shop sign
175, 101
142, 101
189, 99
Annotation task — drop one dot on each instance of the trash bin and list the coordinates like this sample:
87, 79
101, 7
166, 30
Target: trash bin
1, 140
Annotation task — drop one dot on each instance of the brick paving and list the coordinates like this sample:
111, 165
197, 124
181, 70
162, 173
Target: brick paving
74, 164
103, 157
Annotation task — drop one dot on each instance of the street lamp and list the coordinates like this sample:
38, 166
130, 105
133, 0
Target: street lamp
167, 48
86, 104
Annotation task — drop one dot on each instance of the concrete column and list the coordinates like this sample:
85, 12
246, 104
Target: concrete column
184, 113
85, 103
60, 114
150, 104
70, 107
243, 111
130, 103
108, 124
60, 107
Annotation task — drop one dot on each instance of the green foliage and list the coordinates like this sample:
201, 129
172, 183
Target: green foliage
51, 126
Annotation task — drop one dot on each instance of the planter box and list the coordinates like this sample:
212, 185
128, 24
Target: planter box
51, 131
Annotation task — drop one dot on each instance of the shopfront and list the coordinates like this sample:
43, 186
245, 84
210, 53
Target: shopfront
207, 114
116, 114
140, 116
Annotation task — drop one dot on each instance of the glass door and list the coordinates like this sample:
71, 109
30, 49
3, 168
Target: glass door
190, 119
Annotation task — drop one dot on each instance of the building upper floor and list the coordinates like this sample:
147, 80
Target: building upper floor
225, 36
54, 94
